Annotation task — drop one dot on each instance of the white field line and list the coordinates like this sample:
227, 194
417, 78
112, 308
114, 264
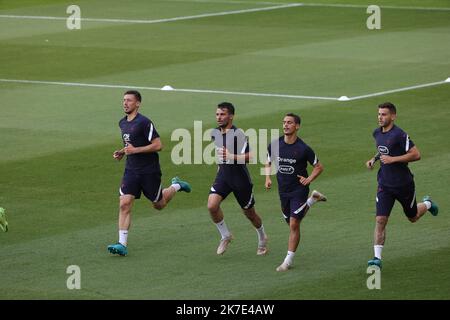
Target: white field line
206, 15
311, 4
198, 16
381, 93
77, 84
274, 95
381, 6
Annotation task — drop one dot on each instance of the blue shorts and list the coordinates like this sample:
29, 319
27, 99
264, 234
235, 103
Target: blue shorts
406, 195
243, 191
149, 184
293, 204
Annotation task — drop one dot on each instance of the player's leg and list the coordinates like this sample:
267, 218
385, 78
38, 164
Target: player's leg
414, 211
384, 203
169, 193
214, 209
253, 217
125, 205
256, 221
129, 191
166, 195
379, 236
407, 198
379, 239
298, 208
316, 196
218, 193
245, 198
430, 205
293, 242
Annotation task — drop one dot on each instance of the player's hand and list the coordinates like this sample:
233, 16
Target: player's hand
370, 163
118, 155
304, 181
268, 183
387, 159
130, 149
223, 153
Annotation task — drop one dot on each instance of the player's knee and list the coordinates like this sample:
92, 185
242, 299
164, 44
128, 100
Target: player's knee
249, 213
213, 207
294, 224
381, 220
125, 205
412, 220
158, 206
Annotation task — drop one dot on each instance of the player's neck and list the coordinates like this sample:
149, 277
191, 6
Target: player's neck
132, 115
290, 139
387, 128
225, 129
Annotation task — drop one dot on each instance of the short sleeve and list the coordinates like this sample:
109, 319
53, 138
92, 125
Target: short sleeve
406, 142
269, 153
241, 142
311, 156
150, 131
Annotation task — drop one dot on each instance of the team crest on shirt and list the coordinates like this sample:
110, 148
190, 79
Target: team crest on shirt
126, 137
383, 150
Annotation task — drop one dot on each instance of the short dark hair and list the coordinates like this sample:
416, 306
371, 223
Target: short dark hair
388, 105
135, 93
226, 105
296, 117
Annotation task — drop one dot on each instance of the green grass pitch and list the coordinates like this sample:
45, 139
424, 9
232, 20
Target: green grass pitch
59, 183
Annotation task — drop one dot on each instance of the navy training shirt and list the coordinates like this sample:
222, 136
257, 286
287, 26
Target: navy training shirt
236, 143
291, 160
395, 142
140, 132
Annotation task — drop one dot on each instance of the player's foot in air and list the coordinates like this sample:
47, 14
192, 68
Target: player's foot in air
374, 262
262, 247
318, 196
185, 186
118, 248
283, 267
223, 245
3, 221
434, 210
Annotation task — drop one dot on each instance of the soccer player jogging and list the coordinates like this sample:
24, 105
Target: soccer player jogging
142, 171
291, 158
232, 176
395, 180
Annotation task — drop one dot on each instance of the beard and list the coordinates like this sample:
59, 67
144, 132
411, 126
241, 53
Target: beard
223, 125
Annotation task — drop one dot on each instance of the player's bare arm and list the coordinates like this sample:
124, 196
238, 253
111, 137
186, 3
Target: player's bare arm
413, 154
318, 168
155, 146
268, 169
239, 158
118, 154
371, 162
